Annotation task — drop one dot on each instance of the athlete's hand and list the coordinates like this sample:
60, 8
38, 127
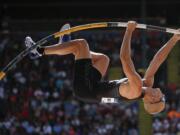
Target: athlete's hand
153, 95
176, 36
131, 26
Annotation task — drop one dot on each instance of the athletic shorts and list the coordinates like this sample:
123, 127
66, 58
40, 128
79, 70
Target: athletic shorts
88, 85
85, 78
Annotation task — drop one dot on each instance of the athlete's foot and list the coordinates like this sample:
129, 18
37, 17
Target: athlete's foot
34, 53
66, 37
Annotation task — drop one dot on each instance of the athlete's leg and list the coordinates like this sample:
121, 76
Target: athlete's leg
79, 48
37, 52
100, 62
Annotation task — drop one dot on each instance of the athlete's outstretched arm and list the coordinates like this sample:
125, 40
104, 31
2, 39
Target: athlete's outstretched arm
135, 84
158, 59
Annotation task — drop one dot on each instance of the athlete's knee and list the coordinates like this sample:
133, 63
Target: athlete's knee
104, 58
82, 46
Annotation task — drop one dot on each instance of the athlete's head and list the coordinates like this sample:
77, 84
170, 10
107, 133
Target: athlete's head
154, 100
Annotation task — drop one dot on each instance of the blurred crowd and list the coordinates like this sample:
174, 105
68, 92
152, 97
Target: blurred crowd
36, 97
